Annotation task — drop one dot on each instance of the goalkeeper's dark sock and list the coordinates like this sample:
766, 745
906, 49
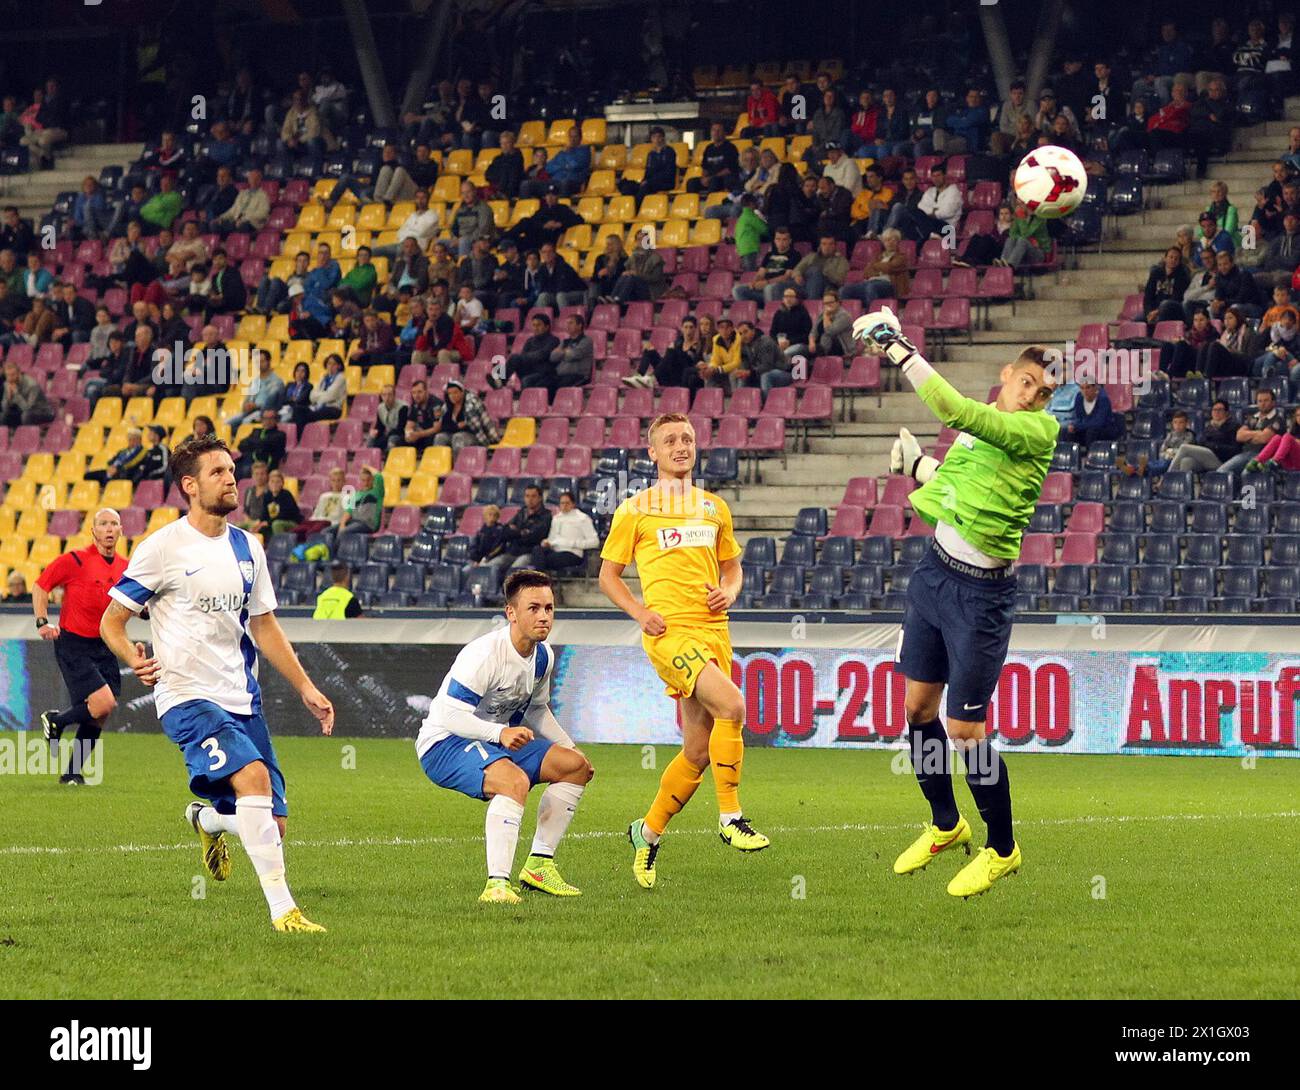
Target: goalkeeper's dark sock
74, 716
928, 745
83, 747
986, 773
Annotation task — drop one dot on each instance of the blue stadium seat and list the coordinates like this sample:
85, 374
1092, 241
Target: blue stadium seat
1231, 604
1193, 393
1068, 458
1104, 603
1126, 196
1286, 518
1284, 549
838, 550
1189, 603
1112, 579
1128, 518
912, 549
455, 549
894, 601
1196, 580
876, 550
1169, 167
409, 579
854, 601
1119, 549
445, 578
1132, 488
1102, 455
760, 550
1156, 397
393, 599
1026, 603
492, 490
1146, 603
1281, 583
519, 485
1134, 163
811, 522
279, 548
899, 576
787, 579
1252, 521
1208, 518
432, 599
483, 584
385, 548
775, 601
425, 549
1060, 603
1071, 579
827, 579
799, 550
1093, 487
353, 548
440, 519
299, 577
1161, 549
1276, 605
721, 466
1239, 582
1148, 424
1047, 519
287, 596
866, 581
556, 485
754, 576
1203, 548
1258, 488
371, 579
1235, 390
1177, 486
813, 600
611, 462
1291, 488
1031, 579
1245, 550
1218, 487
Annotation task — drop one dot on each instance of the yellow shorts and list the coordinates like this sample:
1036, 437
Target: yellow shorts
683, 651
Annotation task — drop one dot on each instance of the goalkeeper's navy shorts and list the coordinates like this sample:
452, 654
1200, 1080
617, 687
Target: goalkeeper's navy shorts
956, 629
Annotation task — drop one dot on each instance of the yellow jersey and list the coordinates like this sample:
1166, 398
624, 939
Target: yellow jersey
678, 544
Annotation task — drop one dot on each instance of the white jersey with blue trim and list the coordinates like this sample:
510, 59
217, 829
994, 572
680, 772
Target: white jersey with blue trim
201, 592
491, 686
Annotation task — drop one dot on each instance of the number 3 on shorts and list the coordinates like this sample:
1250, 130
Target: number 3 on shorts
215, 752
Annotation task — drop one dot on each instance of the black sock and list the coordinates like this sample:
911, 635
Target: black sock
933, 767
986, 773
87, 736
74, 716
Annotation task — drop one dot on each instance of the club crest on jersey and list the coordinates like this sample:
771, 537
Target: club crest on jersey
678, 537
710, 508
246, 570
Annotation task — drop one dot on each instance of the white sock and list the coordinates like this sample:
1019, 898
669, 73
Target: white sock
651, 837
504, 817
213, 823
554, 813
724, 818
261, 837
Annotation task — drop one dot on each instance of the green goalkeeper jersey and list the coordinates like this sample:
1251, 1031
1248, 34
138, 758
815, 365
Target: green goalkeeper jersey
987, 485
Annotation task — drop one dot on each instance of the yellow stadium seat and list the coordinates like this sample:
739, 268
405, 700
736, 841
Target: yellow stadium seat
277, 329
45, 550
485, 158
392, 489
332, 239
683, 153
446, 188
834, 67
500, 213
322, 189
13, 551
634, 174
532, 133
714, 199
588, 268
398, 213
311, 218
435, 462
296, 242
352, 376
593, 130
705, 75
675, 233
691, 172
281, 267
117, 494
201, 406
559, 134
706, 232
138, 412
90, 437
39, 467
108, 411
742, 123
639, 154
774, 144
578, 236
8, 520
252, 327
171, 412
612, 157
523, 208
686, 206
31, 523
372, 217
654, 207
71, 467
341, 216
798, 145
423, 490
569, 254
459, 161
605, 231
601, 183
376, 378
621, 209
734, 75
767, 72
160, 517
521, 431
298, 352
245, 430
20, 494
400, 462
329, 346
591, 209
84, 496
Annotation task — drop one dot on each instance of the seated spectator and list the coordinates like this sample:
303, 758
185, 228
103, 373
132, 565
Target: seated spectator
828, 124
421, 417
212, 200
986, 248
1049, 110
90, 211
123, 464
74, 316
1282, 452
376, 343
45, 123
825, 267
716, 368
571, 362
570, 167
462, 421
472, 220
606, 271
1172, 58
938, 210
1167, 127
1179, 436
489, 541
558, 285
534, 357
442, 340
1256, 431
1282, 257
525, 532
792, 325
1218, 443
969, 125
871, 206
266, 391
1210, 129
16, 233
100, 332
884, 278
265, 443
1233, 287
303, 135
363, 510
337, 602
22, 399
764, 112
226, 293
17, 592
1028, 241
326, 401
832, 331
35, 328
505, 174
1187, 358
1232, 353
468, 311
1167, 283
834, 206
762, 363
570, 535
774, 272
421, 225
279, 506
255, 519
1012, 108
842, 170
537, 178
1281, 304
159, 212
297, 395
476, 270
329, 508
643, 277
660, 169
392, 182
1279, 356
1215, 60
719, 164
1223, 210
389, 427
1094, 420
410, 272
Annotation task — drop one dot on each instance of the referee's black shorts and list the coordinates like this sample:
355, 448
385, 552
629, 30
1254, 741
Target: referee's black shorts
86, 664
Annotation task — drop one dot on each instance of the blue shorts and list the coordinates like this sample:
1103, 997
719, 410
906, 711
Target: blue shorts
956, 630
217, 744
458, 764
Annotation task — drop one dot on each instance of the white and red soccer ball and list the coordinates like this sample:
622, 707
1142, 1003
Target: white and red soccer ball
1051, 181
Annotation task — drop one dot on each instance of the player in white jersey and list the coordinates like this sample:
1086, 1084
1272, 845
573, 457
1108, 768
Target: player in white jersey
211, 609
490, 734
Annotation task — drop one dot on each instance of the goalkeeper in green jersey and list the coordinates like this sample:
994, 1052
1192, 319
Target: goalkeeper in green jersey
961, 597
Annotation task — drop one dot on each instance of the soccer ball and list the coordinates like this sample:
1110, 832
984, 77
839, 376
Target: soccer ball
1051, 181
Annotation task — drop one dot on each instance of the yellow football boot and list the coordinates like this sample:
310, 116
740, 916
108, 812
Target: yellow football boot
930, 843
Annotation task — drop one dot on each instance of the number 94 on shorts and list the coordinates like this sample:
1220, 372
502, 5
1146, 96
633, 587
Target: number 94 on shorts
682, 652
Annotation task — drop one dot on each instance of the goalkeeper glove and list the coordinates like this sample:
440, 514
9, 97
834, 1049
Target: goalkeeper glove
906, 457
881, 331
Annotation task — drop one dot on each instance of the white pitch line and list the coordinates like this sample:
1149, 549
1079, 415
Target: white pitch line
603, 834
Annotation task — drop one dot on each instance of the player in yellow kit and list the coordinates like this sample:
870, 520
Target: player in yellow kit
688, 561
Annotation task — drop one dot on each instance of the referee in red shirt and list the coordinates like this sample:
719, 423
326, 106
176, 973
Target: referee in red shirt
90, 670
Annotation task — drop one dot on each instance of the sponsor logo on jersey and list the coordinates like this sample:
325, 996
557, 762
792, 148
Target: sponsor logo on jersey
679, 537
246, 569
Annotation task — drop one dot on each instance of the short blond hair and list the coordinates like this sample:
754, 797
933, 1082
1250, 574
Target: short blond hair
665, 418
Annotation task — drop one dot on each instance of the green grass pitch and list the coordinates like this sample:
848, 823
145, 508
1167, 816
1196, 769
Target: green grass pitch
1195, 858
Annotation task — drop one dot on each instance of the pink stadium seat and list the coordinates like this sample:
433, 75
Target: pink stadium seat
711, 307
505, 462
918, 312
457, 490
673, 399
1121, 396
348, 434
780, 403
625, 431
1037, 549
860, 492
1094, 336
717, 285
744, 311
687, 282
731, 431
1057, 488
134, 521
746, 401
638, 403
954, 314
541, 461
671, 313
533, 401
566, 404
997, 282
934, 254
576, 461
640, 315
499, 403
707, 402
11, 465
897, 489
1079, 548
1130, 329
670, 260
600, 343
1132, 310
297, 463
26, 439
237, 244
849, 521
590, 432
363, 408
64, 524
703, 426
315, 436
602, 402
553, 432
490, 345
404, 521
627, 342
886, 521
816, 404
926, 284
918, 527
367, 456
694, 259
865, 251
331, 459
1169, 331
1087, 518
472, 462
604, 316
986, 195
769, 434
961, 284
